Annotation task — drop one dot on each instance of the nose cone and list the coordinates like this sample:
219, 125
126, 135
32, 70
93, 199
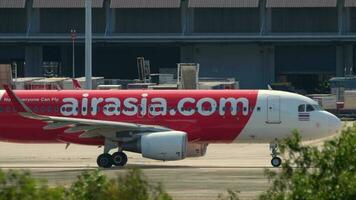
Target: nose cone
334, 124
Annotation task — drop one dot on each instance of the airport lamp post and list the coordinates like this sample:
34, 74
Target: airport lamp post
88, 45
73, 34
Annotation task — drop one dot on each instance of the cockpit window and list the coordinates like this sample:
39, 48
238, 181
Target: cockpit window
317, 107
301, 108
310, 108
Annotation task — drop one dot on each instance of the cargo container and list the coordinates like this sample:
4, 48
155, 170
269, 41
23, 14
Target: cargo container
25, 83
350, 100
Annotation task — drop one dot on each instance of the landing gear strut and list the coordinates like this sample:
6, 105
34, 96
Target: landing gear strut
276, 161
106, 160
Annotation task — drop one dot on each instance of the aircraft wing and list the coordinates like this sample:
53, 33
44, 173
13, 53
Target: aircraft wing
89, 127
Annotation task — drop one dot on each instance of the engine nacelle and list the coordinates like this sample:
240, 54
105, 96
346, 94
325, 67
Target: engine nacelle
167, 145
196, 149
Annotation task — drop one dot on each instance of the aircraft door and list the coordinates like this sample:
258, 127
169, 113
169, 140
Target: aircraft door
273, 109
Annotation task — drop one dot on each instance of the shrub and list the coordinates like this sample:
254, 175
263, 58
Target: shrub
20, 185
326, 173
90, 185
229, 195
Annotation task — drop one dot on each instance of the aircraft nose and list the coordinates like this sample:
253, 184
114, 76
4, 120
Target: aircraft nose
334, 123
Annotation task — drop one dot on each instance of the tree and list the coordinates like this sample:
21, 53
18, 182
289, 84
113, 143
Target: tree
325, 173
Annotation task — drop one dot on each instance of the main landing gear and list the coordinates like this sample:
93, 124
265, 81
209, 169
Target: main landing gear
107, 160
275, 161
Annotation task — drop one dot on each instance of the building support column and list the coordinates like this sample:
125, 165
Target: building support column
347, 20
33, 18
33, 61
341, 16
265, 18
189, 17
183, 16
109, 18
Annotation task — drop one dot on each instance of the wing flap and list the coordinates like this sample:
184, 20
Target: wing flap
56, 125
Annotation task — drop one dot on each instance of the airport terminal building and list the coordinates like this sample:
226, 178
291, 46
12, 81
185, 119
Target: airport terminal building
256, 41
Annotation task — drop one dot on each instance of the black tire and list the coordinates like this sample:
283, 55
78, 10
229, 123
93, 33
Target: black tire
104, 160
119, 159
276, 161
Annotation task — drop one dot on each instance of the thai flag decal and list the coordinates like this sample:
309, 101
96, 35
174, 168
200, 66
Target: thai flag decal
303, 116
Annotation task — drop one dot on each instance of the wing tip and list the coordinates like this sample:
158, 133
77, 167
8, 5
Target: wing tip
16, 101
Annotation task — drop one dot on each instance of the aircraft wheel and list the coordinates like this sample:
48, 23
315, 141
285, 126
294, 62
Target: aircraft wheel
276, 161
104, 160
119, 159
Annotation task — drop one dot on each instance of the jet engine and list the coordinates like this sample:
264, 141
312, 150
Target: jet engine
167, 145
196, 149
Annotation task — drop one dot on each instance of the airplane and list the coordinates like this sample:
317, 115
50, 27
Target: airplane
162, 125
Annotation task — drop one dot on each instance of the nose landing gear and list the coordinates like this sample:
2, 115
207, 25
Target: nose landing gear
275, 161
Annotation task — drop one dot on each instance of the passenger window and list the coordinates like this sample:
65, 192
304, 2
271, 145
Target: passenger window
0, 109
310, 108
258, 109
301, 108
35, 109
43, 109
